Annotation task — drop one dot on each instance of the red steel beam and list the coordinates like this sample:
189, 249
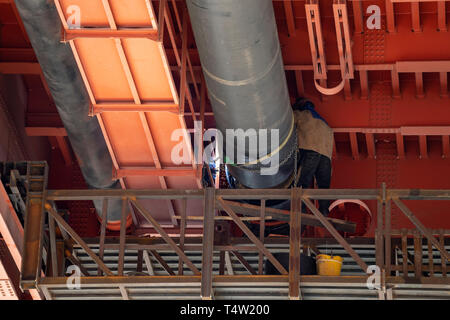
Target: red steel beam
45, 132
395, 83
423, 66
335, 155
426, 131
290, 18
161, 172
402, 1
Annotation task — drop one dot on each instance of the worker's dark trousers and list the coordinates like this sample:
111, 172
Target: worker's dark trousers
314, 165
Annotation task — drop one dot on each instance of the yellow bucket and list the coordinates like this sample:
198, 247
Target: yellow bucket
328, 265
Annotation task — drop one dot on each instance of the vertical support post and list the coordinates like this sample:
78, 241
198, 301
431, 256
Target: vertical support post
262, 226
222, 263
395, 81
380, 234
443, 78
417, 254
400, 146
53, 254
430, 258
358, 16
103, 232
299, 81
208, 243
140, 257
419, 85
335, 153
364, 80
442, 21
423, 147
33, 226
354, 145
347, 90
405, 252
387, 237
182, 233
60, 254
370, 142
443, 258
415, 16
123, 231
294, 244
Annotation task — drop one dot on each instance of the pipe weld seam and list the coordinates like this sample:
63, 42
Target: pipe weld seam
267, 156
237, 83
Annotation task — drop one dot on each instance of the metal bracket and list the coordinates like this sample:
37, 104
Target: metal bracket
317, 46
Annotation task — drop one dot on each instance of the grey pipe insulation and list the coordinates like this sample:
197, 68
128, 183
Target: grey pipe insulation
240, 54
58, 64
241, 60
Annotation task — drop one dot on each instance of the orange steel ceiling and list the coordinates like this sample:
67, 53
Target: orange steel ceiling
130, 87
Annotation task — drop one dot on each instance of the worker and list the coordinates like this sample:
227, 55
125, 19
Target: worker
315, 143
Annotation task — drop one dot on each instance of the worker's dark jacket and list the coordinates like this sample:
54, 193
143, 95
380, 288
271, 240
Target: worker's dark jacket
313, 133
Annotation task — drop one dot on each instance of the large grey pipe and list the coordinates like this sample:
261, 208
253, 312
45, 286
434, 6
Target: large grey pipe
241, 59
43, 26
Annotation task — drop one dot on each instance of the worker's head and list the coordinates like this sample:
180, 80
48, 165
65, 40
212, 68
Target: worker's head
302, 104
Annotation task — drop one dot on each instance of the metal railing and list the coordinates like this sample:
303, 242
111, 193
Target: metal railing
212, 258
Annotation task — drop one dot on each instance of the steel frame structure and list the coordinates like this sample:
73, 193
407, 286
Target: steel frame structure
61, 235
170, 19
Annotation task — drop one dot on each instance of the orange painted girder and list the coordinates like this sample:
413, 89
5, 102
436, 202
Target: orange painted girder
132, 72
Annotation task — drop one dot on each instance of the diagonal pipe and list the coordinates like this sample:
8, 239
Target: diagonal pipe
43, 27
240, 53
